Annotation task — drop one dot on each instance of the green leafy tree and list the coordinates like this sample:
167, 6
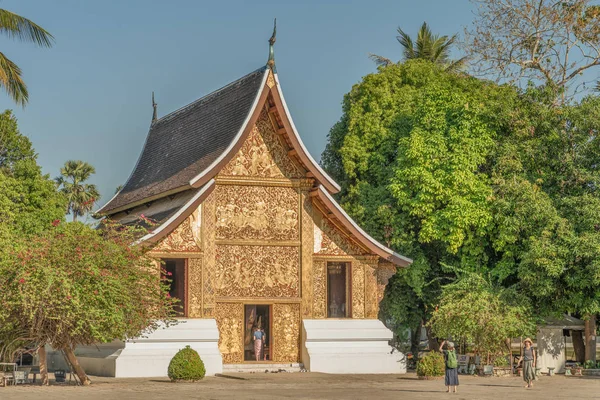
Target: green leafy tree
412, 153
73, 285
427, 46
17, 27
474, 311
29, 201
81, 196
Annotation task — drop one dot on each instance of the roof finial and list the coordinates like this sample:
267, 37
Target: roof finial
154, 116
271, 62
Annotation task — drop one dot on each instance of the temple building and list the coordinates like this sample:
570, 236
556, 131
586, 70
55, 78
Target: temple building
251, 235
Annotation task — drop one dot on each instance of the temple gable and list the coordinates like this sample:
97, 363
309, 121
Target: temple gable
263, 154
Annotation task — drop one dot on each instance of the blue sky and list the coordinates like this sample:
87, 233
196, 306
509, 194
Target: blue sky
90, 95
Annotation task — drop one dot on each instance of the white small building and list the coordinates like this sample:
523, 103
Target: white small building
551, 342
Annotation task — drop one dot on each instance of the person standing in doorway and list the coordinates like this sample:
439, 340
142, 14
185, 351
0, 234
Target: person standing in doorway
451, 361
258, 342
529, 361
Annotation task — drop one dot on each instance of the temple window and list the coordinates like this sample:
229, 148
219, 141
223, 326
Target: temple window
337, 289
175, 270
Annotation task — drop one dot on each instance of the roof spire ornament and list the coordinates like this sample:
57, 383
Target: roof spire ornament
154, 116
271, 62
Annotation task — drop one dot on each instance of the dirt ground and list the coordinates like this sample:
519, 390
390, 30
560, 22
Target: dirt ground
311, 386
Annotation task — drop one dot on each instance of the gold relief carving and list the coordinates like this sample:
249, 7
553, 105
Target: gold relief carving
358, 290
306, 256
319, 289
286, 332
230, 322
270, 79
185, 238
195, 287
257, 271
384, 272
329, 240
208, 272
371, 302
256, 212
263, 154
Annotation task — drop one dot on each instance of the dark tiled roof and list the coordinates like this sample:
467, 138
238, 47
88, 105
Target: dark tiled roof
182, 144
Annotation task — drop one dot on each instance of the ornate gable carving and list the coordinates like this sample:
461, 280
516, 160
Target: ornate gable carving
186, 238
256, 213
330, 241
257, 271
263, 154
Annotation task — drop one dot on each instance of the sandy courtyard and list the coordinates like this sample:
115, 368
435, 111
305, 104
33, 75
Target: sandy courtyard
311, 386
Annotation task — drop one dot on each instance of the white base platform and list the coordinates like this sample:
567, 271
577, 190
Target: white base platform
352, 346
150, 356
262, 367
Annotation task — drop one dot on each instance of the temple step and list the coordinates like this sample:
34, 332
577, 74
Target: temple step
262, 367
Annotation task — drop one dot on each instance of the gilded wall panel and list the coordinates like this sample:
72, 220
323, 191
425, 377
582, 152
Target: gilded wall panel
257, 213
306, 256
209, 254
328, 240
384, 272
358, 290
230, 322
286, 332
257, 271
195, 287
319, 289
186, 238
371, 302
263, 154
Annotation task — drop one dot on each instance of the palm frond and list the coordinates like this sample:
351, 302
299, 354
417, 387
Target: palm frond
406, 42
11, 81
457, 65
17, 27
380, 60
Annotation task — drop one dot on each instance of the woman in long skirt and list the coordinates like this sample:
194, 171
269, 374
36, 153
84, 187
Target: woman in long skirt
258, 337
529, 361
451, 361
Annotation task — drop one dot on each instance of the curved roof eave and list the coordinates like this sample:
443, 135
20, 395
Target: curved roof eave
177, 218
364, 237
312, 165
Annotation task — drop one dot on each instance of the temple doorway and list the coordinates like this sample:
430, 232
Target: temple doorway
257, 317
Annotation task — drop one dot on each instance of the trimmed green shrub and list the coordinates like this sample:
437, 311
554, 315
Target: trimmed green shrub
431, 364
186, 365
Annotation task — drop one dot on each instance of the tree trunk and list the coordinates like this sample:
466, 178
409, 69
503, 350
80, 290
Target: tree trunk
578, 346
415, 340
83, 378
43, 365
432, 341
590, 338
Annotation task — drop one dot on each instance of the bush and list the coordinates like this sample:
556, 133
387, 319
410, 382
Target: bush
431, 364
501, 361
186, 365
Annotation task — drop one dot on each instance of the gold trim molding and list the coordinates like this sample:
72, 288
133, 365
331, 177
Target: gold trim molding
255, 300
241, 242
253, 181
162, 254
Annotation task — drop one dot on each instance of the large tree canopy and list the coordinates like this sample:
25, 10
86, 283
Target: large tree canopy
456, 171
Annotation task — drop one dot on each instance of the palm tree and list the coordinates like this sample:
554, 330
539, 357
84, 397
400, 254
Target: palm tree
16, 27
81, 196
428, 46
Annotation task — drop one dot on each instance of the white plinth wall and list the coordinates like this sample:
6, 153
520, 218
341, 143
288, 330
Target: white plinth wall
150, 356
352, 346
